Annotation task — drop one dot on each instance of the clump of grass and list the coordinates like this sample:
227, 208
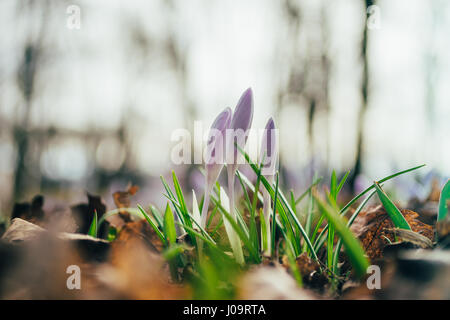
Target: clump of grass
285, 219
281, 215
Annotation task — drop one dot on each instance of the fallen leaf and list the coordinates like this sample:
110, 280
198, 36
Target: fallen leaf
122, 200
88, 247
139, 231
412, 237
271, 283
371, 228
135, 272
30, 211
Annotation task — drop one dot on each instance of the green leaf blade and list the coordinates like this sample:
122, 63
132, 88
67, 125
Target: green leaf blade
394, 213
93, 228
169, 226
352, 245
444, 202
152, 224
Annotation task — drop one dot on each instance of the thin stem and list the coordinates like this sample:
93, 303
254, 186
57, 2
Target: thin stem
267, 208
234, 240
204, 214
231, 192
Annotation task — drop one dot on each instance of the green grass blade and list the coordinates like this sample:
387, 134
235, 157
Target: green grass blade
208, 241
239, 216
341, 183
179, 193
353, 247
93, 228
260, 198
253, 231
251, 186
359, 209
304, 194
195, 211
333, 185
244, 189
349, 204
444, 202
316, 229
169, 226
292, 201
202, 230
233, 237
275, 200
172, 199
153, 225
264, 227
157, 215
349, 224
394, 213
291, 213
309, 218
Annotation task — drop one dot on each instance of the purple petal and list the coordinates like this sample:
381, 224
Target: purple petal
222, 121
268, 153
240, 124
243, 113
215, 151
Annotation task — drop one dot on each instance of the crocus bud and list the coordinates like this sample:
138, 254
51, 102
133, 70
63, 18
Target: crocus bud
215, 149
215, 155
238, 134
240, 124
269, 150
268, 158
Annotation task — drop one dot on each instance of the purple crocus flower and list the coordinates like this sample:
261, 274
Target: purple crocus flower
268, 158
215, 154
238, 134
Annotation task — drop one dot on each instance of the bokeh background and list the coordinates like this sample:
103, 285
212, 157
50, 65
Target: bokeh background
94, 108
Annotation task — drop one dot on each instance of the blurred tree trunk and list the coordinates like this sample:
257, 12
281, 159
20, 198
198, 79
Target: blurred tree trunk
364, 93
25, 78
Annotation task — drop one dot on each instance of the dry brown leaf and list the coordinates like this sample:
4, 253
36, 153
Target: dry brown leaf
30, 211
271, 283
122, 200
136, 272
412, 237
139, 231
370, 227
